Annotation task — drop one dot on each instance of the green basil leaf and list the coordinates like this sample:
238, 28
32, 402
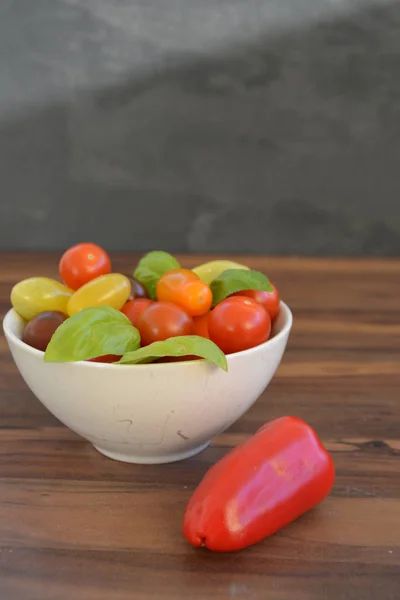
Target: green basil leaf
151, 267
238, 280
178, 346
92, 332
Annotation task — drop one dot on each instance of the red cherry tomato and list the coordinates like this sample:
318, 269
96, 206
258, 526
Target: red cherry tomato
170, 359
269, 300
200, 326
259, 487
163, 320
134, 308
82, 263
107, 358
238, 323
185, 288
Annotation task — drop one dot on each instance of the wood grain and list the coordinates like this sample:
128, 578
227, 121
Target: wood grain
75, 524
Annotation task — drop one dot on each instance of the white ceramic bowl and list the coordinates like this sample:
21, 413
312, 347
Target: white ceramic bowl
153, 413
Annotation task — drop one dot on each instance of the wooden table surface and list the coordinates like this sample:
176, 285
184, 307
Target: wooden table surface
74, 524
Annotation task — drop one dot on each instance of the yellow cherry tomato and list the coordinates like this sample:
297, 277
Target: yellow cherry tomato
36, 295
107, 290
210, 270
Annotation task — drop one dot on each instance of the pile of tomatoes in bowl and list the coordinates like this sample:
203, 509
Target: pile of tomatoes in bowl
226, 303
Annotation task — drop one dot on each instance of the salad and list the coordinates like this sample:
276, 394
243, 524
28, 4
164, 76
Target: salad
163, 312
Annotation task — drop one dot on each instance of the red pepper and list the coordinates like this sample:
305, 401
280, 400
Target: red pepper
259, 487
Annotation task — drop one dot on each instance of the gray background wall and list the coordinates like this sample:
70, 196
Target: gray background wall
201, 125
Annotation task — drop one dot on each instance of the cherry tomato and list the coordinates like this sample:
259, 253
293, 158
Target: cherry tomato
33, 296
269, 300
137, 289
170, 359
107, 290
82, 263
163, 320
211, 270
200, 326
185, 288
134, 308
39, 331
107, 358
238, 323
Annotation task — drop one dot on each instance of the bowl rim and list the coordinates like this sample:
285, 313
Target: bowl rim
10, 335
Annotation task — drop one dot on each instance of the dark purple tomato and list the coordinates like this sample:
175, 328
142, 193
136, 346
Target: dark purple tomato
39, 331
138, 290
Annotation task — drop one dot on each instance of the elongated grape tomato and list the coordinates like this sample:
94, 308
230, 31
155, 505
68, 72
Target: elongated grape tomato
36, 295
211, 270
107, 290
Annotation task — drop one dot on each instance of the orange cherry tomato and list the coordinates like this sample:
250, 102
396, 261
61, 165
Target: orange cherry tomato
269, 300
200, 326
185, 288
82, 263
134, 308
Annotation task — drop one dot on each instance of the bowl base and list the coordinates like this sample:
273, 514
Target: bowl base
151, 460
